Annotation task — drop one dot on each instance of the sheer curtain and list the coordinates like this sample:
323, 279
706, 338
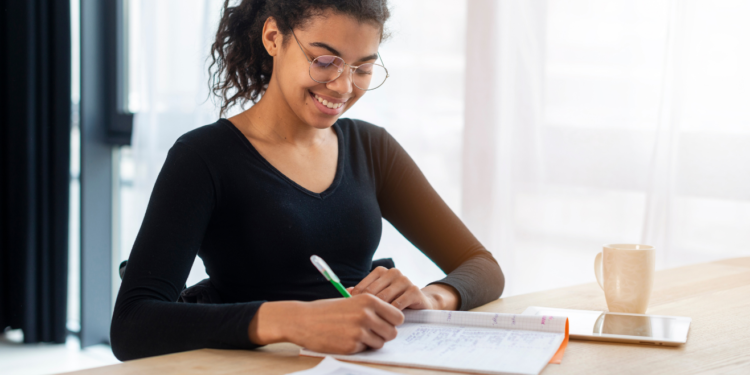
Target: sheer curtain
420, 104
606, 122
169, 41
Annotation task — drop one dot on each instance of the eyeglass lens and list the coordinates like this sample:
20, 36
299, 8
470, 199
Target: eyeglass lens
366, 77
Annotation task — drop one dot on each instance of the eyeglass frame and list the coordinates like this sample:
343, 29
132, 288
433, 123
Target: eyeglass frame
352, 68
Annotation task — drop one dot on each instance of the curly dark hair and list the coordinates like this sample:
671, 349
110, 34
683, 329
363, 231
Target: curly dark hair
241, 67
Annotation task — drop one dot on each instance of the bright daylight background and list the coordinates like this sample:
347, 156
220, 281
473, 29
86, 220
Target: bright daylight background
550, 127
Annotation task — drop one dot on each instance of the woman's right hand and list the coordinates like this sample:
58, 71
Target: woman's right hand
339, 326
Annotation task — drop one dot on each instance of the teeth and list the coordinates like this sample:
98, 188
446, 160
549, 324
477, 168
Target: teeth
327, 103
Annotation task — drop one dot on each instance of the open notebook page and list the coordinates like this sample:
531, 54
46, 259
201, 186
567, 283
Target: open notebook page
465, 341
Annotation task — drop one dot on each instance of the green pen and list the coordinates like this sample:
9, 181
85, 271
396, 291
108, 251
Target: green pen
322, 266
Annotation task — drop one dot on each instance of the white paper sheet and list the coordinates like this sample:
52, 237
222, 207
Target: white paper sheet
474, 342
468, 348
330, 366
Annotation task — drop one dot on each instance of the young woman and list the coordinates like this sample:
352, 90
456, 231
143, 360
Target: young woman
257, 194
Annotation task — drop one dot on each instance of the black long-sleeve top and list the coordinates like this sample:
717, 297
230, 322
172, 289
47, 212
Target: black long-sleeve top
255, 230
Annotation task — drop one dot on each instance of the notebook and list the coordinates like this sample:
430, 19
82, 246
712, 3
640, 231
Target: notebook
488, 343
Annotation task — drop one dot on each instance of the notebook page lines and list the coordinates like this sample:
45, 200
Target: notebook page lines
489, 350
544, 323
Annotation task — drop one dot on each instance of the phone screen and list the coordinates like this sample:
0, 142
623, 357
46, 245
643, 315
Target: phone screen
597, 323
656, 327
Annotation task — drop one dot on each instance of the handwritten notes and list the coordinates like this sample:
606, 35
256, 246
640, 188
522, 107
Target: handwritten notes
477, 342
479, 349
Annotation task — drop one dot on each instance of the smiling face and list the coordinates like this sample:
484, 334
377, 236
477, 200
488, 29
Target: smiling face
331, 34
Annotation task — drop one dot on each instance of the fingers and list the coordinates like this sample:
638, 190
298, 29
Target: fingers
375, 324
374, 275
382, 282
386, 284
376, 340
355, 347
412, 298
394, 290
379, 332
386, 311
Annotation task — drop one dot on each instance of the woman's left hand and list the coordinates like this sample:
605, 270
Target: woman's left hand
393, 287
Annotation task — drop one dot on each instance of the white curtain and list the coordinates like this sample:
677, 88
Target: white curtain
169, 41
605, 122
421, 104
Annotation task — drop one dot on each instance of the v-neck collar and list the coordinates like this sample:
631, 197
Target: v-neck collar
339, 163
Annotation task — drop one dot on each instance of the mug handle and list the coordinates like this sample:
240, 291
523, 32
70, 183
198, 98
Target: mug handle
598, 270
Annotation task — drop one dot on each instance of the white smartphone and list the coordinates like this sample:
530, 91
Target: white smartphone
621, 327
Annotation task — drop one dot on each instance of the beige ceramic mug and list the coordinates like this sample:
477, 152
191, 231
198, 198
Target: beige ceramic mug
626, 273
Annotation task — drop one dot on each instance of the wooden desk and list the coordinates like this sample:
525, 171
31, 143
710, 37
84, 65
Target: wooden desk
716, 295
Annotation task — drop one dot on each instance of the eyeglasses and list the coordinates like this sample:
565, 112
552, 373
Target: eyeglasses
328, 68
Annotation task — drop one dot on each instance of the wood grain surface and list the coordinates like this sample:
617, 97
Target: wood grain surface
715, 295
